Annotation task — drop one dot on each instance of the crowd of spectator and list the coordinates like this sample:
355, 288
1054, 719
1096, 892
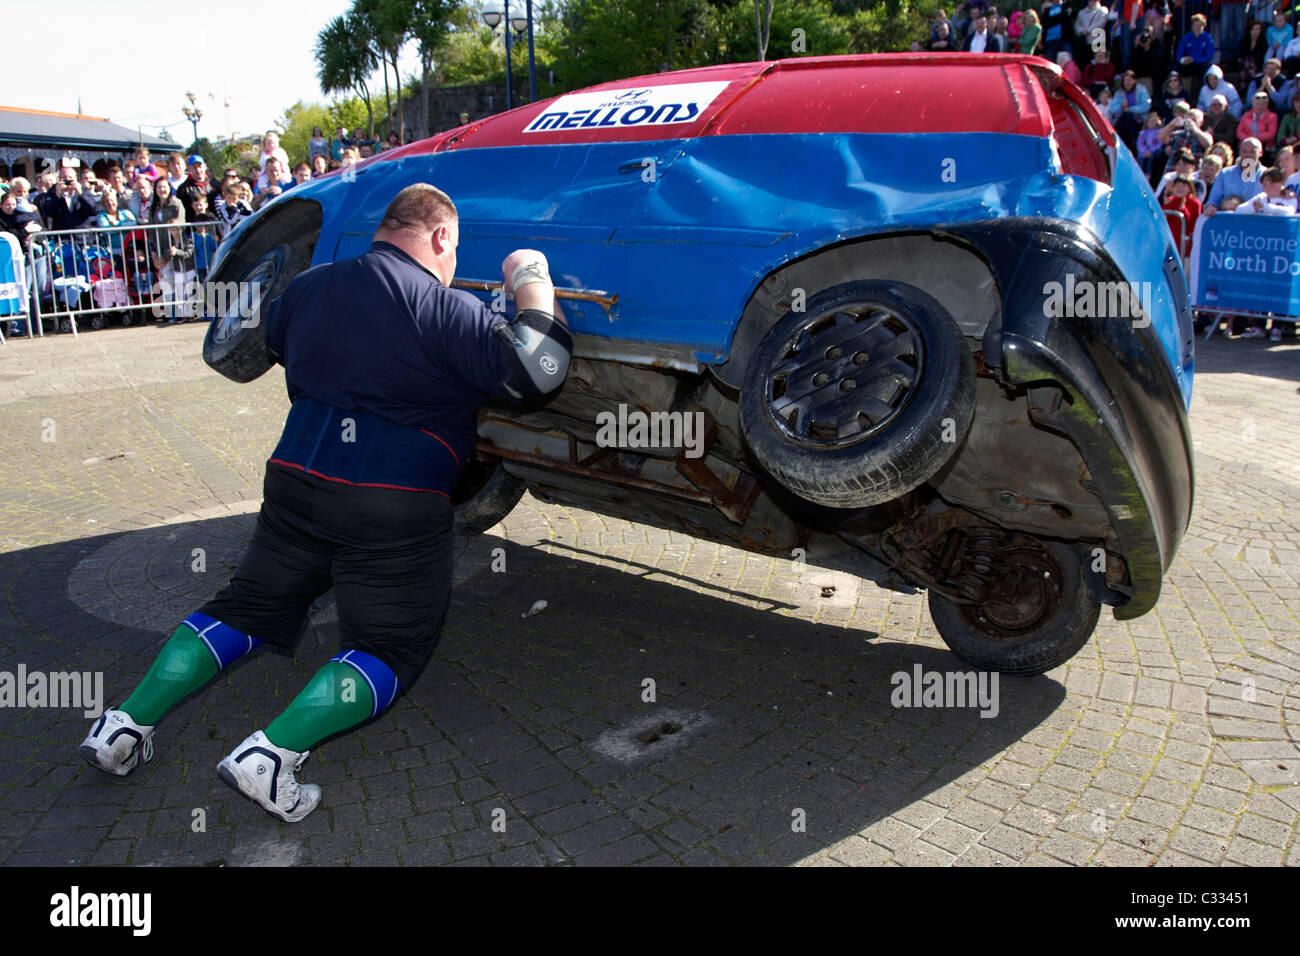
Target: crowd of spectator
1209, 106
175, 190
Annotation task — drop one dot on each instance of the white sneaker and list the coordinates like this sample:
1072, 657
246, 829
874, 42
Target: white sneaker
116, 743
264, 772
1254, 332
1275, 334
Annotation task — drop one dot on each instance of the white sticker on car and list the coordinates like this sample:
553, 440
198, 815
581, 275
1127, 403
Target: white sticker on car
632, 107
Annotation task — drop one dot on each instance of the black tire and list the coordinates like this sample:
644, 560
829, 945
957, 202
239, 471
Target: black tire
484, 495
1030, 636
97, 321
852, 451
236, 346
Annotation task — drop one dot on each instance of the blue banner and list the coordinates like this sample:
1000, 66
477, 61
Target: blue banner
1247, 263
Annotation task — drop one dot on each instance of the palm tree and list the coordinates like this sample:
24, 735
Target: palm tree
388, 24
764, 30
430, 26
345, 61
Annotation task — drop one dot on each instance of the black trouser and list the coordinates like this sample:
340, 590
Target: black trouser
387, 554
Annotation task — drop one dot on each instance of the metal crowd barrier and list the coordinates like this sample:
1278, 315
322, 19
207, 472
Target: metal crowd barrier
132, 272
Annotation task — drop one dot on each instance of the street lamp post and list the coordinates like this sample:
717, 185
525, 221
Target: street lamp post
494, 15
532, 66
193, 114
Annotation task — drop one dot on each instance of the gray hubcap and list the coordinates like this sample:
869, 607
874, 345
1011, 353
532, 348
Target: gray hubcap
845, 374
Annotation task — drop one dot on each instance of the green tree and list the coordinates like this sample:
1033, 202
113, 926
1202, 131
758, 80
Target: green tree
470, 56
241, 154
797, 28
387, 25
348, 112
344, 61
605, 39
297, 123
430, 27
211, 153
762, 26
891, 25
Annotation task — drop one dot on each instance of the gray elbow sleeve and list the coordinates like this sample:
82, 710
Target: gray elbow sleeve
538, 349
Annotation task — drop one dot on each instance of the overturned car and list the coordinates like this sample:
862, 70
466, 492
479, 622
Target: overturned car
929, 321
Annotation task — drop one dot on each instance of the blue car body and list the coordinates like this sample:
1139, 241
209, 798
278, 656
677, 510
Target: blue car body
688, 229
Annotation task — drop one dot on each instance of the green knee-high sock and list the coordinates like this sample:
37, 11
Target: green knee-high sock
335, 699
183, 666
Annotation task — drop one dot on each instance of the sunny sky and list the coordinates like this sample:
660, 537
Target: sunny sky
133, 64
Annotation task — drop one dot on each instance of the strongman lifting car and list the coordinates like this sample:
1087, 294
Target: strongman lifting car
386, 367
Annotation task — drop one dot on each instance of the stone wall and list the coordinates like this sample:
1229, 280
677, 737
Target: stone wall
446, 104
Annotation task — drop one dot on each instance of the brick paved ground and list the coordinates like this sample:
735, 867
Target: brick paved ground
1174, 739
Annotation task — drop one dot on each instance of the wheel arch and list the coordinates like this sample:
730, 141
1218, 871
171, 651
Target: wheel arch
287, 221
949, 271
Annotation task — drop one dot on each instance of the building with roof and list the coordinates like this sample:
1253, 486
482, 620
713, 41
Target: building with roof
32, 140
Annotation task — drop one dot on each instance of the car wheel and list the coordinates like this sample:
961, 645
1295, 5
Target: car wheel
1037, 616
235, 345
484, 495
860, 397
97, 322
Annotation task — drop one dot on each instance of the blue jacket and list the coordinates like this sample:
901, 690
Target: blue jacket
1140, 108
380, 343
1200, 49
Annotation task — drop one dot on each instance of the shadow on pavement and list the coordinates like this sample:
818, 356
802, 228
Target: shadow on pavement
539, 721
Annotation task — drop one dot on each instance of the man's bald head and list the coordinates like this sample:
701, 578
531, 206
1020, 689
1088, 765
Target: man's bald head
419, 208
422, 221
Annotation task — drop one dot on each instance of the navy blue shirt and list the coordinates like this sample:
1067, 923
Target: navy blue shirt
381, 336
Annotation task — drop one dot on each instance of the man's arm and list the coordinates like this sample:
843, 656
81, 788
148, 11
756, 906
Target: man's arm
517, 359
537, 346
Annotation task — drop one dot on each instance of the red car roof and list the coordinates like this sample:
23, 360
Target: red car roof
876, 93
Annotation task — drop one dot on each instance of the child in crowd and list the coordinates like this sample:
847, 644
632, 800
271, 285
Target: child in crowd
206, 226
1182, 198
1278, 36
271, 147
232, 208
1149, 142
1273, 201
